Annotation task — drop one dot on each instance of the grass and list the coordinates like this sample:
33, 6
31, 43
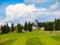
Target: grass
33, 41
21, 41
30, 38
8, 42
56, 37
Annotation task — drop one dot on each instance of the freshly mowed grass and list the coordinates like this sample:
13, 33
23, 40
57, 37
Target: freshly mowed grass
56, 37
33, 41
20, 41
8, 42
29, 38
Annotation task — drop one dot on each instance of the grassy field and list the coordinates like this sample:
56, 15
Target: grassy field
30, 38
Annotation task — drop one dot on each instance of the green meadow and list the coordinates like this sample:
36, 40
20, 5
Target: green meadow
30, 38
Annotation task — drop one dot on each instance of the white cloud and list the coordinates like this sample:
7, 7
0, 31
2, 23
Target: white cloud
1, 22
19, 13
55, 6
22, 13
37, 1
18, 9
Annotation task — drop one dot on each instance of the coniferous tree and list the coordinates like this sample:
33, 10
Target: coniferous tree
19, 28
49, 26
57, 24
26, 26
29, 27
46, 27
12, 28
5, 29
41, 24
2, 29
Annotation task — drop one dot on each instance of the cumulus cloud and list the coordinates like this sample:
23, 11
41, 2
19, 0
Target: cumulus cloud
18, 9
20, 13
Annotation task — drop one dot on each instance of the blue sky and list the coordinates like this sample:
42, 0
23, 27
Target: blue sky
46, 10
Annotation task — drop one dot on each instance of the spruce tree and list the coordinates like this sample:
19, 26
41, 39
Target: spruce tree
26, 26
12, 28
19, 28
29, 27
57, 24
49, 26
5, 29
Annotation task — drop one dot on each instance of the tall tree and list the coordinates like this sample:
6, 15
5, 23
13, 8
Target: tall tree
12, 27
29, 27
57, 24
5, 29
26, 26
49, 26
41, 24
19, 28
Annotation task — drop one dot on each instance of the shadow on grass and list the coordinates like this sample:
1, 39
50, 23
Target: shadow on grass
33, 41
8, 42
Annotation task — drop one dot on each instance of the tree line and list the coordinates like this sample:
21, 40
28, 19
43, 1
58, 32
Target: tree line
7, 29
48, 26
53, 25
